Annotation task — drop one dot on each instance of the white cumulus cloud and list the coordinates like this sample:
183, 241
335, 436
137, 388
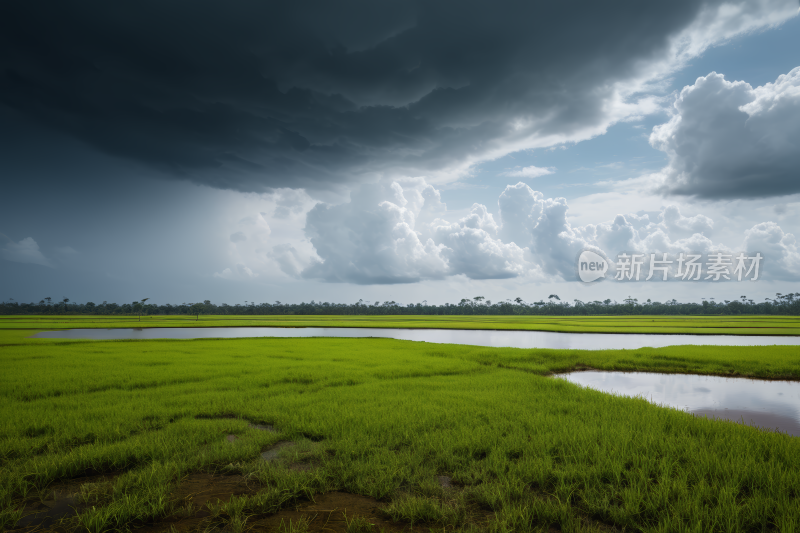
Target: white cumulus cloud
780, 250
729, 140
401, 232
372, 238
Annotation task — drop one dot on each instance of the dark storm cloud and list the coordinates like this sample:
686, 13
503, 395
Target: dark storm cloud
252, 95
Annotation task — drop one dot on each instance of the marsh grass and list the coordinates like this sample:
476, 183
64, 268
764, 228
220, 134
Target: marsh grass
295, 526
96, 493
10, 515
383, 418
415, 509
358, 524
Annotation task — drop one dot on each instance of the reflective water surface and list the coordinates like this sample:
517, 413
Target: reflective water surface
767, 404
493, 338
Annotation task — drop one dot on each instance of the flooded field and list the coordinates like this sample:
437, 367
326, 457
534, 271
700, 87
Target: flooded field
491, 338
344, 434
766, 404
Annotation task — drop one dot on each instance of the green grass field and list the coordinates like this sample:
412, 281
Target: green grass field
383, 418
716, 325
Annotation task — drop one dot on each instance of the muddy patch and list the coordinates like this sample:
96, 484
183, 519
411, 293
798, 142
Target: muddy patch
64, 499
47, 513
201, 489
333, 512
192, 498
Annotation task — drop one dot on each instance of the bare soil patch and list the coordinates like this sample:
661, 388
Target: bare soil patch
332, 512
328, 512
201, 489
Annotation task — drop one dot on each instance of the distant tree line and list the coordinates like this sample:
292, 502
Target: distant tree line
782, 304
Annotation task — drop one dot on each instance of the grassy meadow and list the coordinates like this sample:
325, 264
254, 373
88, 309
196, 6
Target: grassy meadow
383, 418
698, 325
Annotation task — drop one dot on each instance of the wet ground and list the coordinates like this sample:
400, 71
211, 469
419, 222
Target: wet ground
331, 512
327, 512
773, 405
197, 495
51, 509
492, 338
62, 500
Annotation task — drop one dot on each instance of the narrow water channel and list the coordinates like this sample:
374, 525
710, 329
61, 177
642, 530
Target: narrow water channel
474, 337
767, 404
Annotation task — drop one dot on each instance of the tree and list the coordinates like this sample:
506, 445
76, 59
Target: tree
196, 309
141, 306
66, 301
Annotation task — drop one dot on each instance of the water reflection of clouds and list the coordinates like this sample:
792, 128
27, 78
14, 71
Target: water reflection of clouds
489, 338
703, 394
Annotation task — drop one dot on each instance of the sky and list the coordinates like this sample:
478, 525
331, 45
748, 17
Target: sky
404, 151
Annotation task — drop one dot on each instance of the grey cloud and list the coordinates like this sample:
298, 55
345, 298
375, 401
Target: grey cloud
728, 140
288, 203
25, 251
288, 259
240, 271
238, 237
260, 95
